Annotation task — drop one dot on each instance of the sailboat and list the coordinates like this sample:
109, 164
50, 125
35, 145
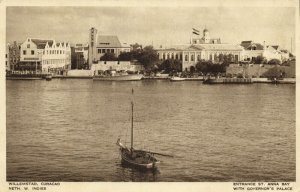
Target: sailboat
137, 158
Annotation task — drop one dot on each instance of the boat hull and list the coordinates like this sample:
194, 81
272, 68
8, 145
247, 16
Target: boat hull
177, 79
228, 81
144, 164
134, 77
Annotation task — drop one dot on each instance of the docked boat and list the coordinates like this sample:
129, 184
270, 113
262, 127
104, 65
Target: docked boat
15, 76
228, 81
174, 78
48, 77
118, 76
283, 81
141, 159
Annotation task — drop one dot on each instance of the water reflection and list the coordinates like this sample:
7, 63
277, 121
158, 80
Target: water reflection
129, 173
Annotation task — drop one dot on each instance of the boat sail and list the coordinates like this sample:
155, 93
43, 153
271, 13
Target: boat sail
137, 158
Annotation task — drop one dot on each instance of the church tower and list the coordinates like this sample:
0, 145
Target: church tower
206, 37
92, 45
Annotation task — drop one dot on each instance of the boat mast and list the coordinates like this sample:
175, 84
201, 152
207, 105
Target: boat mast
131, 125
132, 121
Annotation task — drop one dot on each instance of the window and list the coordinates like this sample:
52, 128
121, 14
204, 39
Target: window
99, 50
5, 55
176, 56
198, 58
28, 45
186, 58
180, 56
172, 56
60, 52
103, 50
192, 57
168, 56
164, 56
24, 52
112, 51
108, 50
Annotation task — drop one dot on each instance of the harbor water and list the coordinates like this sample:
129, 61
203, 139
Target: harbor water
66, 130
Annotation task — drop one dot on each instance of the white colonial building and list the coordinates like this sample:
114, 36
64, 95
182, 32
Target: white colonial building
253, 50
56, 57
200, 48
31, 52
45, 55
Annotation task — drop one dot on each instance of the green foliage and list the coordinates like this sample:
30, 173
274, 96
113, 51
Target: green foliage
148, 57
109, 57
274, 72
259, 60
274, 62
170, 65
208, 67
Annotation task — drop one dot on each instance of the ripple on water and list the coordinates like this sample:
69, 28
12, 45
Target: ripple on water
66, 130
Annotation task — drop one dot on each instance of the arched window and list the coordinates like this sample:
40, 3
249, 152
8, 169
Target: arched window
172, 56
198, 57
186, 57
176, 56
168, 56
192, 57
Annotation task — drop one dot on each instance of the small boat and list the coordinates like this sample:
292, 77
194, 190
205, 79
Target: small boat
141, 159
48, 77
228, 81
15, 76
118, 76
174, 78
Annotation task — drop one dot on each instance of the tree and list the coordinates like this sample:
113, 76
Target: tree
136, 46
148, 57
109, 57
170, 65
274, 62
274, 72
125, 56
259, 60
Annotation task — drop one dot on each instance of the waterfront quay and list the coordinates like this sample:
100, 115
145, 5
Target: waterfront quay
105, 54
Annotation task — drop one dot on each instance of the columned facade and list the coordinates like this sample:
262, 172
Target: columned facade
203, 48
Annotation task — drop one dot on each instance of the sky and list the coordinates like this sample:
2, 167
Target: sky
153, 25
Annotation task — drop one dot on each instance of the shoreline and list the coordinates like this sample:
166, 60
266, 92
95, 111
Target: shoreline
218, 81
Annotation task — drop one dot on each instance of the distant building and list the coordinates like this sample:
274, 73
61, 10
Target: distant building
56, 57
200, 48
272, 52
79, 56
7, 68
101, 44
13, 56
251, 50
31, 54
